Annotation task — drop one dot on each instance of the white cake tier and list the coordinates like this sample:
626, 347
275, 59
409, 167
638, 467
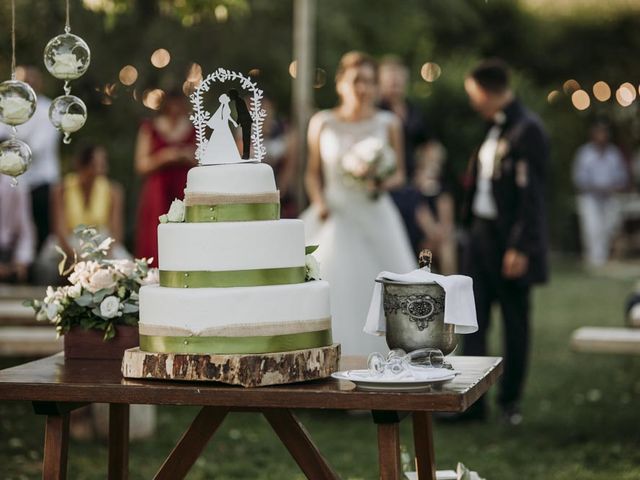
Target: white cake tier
231, 246
231, 179
241, 311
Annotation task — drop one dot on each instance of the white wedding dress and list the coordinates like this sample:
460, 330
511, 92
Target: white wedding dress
361, 237
221, 147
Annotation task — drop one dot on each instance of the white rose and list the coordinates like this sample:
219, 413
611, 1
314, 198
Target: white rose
152, 278
368, 149
74, 291
312, 268
109, 307
82, 273
65, 64
11, 164
100, 280
72, 122
16, 109
176, 211
163, 218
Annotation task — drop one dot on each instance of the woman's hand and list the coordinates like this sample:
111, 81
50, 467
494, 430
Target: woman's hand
323, 211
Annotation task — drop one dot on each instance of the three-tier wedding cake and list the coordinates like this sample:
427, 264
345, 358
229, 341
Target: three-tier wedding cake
232, 275
235, 279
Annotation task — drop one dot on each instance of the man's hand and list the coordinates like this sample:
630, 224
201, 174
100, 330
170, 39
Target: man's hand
514, 264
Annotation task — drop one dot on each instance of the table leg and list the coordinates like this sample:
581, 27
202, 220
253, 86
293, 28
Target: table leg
118, 441
190, 446
389, 443
295, 437
56, 446
389, 451
423, 442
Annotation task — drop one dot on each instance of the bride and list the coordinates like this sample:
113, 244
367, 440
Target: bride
356, 225
221, 147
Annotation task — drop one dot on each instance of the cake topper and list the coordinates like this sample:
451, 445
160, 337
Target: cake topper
220, 146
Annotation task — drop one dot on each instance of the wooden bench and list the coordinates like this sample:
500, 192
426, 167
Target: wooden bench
21, 335
611, 340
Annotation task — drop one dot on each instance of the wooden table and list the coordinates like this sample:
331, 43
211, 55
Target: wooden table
56, 387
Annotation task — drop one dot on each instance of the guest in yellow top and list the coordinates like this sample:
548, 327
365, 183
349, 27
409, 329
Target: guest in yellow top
87, 197
84, 197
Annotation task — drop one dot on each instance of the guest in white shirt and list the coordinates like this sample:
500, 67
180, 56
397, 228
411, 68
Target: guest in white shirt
599, 171
44, 141
17, 239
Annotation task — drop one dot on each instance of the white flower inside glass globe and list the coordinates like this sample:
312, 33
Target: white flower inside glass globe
17, 102
67, 56
15, 157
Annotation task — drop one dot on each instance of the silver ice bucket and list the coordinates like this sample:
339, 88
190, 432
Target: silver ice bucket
415, 316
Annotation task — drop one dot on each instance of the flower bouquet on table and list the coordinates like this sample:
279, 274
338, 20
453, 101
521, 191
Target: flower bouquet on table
98, 311
369, 163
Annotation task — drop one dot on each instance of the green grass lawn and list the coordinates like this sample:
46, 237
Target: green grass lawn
582, 416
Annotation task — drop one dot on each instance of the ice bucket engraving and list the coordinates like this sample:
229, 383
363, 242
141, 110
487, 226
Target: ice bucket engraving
415, 315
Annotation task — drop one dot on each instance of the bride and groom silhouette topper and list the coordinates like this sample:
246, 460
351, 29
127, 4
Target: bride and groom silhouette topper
221, 146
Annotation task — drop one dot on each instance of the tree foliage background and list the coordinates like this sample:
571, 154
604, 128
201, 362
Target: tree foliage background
545, 45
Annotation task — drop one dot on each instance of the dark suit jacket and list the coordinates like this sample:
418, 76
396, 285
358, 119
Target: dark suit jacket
519, 188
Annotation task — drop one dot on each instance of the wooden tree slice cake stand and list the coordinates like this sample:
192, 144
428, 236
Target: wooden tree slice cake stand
248, 370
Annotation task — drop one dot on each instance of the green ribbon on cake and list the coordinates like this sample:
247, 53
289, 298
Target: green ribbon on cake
232, 278
232, 212
236, 345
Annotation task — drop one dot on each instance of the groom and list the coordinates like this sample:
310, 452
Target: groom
244, 119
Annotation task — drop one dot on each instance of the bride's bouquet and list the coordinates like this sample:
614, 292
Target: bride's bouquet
369, 161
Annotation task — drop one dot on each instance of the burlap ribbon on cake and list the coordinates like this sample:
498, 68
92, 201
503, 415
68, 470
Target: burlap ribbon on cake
205, 207
233, 339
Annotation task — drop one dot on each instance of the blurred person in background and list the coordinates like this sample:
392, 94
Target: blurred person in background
281, 155
506, 214
394, 81
44, 141
85, 196
599, 172
17, 232
165, 151
352, 217
435, 211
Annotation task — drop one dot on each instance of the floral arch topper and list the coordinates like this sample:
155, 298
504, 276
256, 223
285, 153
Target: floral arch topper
220, 146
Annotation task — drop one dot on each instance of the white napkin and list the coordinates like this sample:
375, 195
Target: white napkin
459, 304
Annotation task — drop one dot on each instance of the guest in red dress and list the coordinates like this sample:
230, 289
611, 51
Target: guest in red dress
165, 151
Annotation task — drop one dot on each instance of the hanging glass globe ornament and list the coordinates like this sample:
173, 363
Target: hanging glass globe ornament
15, 158
67, 56
17, 102
68, 114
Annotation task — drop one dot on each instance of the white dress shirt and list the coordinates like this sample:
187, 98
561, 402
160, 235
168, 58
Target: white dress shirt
484, 205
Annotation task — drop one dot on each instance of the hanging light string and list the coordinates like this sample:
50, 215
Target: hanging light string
67, 25
13, 39
67, 29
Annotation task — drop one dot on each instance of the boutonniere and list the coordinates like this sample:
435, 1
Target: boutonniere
502, 149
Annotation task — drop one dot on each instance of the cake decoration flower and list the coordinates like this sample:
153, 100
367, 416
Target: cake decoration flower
175, 213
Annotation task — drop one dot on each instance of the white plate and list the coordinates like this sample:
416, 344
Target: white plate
364, 380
